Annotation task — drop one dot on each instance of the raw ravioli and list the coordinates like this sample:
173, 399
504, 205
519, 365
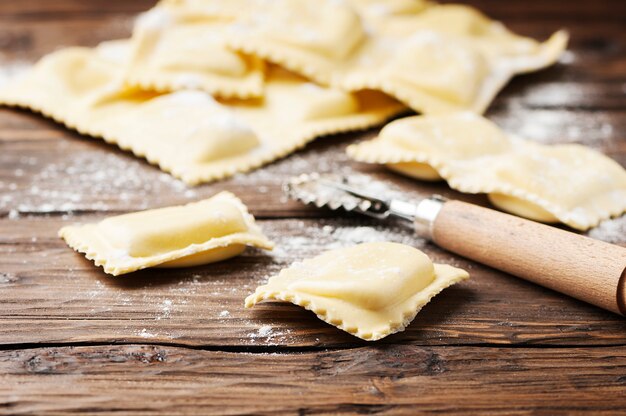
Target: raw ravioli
370, 290
197, 233
568, 183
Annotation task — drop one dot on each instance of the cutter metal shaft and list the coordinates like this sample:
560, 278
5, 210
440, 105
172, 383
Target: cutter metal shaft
335, 192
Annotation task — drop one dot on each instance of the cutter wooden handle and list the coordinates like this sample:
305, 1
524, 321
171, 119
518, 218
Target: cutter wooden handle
584, 268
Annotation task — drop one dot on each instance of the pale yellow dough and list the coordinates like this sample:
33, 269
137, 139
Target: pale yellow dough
370, 290
189, 133
568, 183
175, 46
189, 235
434, 58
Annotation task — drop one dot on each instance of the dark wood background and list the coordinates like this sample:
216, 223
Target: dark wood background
74, 340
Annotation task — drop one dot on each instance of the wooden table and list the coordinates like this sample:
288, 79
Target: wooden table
179, 341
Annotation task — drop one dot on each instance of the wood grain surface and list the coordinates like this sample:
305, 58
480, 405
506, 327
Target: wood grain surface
74, 340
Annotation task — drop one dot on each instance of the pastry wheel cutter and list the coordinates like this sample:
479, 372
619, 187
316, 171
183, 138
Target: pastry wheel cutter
590, 270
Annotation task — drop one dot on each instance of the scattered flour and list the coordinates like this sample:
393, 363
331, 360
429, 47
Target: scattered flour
268, 334
567, 58
358, 235
265, 331
82, 182
612, 231
9, 70
166, 310
343, 236
556, 126
145, 334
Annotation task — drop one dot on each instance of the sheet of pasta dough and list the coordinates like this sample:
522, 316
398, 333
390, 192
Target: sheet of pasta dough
370, 290
188, 133
434, 58
569, 183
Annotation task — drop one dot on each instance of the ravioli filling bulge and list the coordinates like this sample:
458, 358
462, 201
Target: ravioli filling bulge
157, 231
337, 37
451, 70
370, 290
369, 277
202, 232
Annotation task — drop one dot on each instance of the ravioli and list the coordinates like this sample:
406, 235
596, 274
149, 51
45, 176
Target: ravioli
567, 183
434, 58
189, 133
174, 48
197, 233
370, 290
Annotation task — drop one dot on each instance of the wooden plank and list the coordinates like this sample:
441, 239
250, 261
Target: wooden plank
203, 306
398, 379
555, 11
25, 42
62, 9
534, 9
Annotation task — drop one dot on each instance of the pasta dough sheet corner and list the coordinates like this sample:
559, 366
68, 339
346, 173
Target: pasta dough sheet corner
189, 133
197, 233
370, 290
566, 183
